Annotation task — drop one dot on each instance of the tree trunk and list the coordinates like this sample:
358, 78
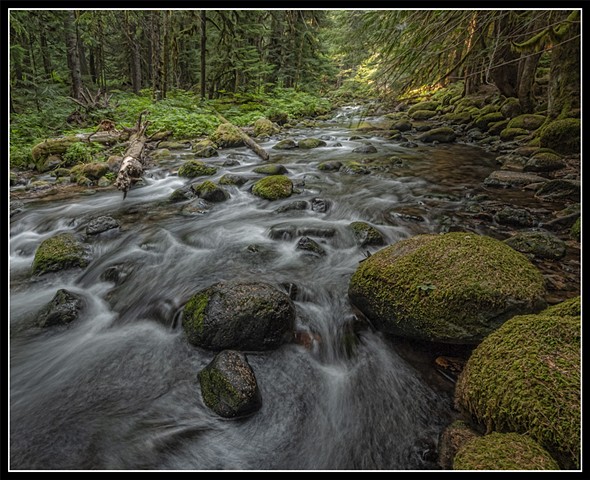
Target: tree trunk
526, 81
504, 75
72, 54
203, 51
131, 168
257, 149
156, 56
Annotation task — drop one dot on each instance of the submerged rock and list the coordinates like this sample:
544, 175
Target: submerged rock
245, 316
452, 288
296, 205
288, 231
229, 386
63, 309
505, 178
310, 246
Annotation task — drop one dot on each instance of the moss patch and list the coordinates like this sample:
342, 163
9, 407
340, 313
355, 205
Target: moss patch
195, 168
452, 288
422, 114
307, 143
194, 314
227, 136
430, 105
58, 253
511, 133
525, 378
273, 187
527, 121
483, 121
263, 126
503, 451
366, 234
571, 307
576, 229
563, 136
271, 169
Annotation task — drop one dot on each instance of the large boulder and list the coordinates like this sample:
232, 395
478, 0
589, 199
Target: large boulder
273, 187
307, 143
451, 440
196, 168
441, 134
227, 136
452, 288
503, 451
244, 316
563, 136
210, 192
60, 252
63, 308
229, 386
525, 378
264, 127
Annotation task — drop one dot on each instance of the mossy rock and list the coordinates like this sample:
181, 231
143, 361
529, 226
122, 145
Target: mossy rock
60, 252
453, 288
441, 134
451, 440
307, 143
544, 162
271, 169
460, 118
503, 451
511, 108
355, 168
422, 114
511, 133
229, 386
402, 125
483, 121
63, 309
160, 153
490, 108
210, 192
264, 127
525, 378
196, 168
527, 121
227, 136
52, 146
273, 187
575, 231
571, 307
244, 316
505, 179
232, 179
181, 194
205, 149
365, 148
559, 190
539, 244
330, 166
495, 128
518, 217
429, 105
563, 136
366, 234
286, 144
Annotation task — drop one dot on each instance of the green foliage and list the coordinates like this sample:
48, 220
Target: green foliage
80, 152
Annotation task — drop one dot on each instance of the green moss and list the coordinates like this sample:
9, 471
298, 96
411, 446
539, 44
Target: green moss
528, 122
503, 451
525, 378
227, 136
206, 186
575, 231
511, 133
205, 149
453, 287
195, 168
457, 117
59, 252
571, 307
194, 314
263, 126
422, 114
217, 389
430, 105
51, 146
271, 169
483, 121
441, 134
563, 136
273, 187
366, 234
307, 143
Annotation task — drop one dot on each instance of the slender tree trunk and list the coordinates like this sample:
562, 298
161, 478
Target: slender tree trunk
203, 52
72, 54
92, 65
526, 80
45, 53
164, 48
156, 56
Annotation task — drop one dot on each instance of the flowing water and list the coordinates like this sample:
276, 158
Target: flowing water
118, 388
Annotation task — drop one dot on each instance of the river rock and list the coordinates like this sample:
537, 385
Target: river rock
232, 179
355, 168
441, 135
227, 136
505, 178
196, 168
181, 194
518, 217
101, 224
307, 143
330, 166
273, 187
366, 148
205, 149
503, 451
544, 162
229, 386
310, 246
366, 234
264, 127
286, 144
16, 206
453, 288
559, 190
288, 231
210, 192
296, 205
60, 252
526, 372
245, 316
63, 309
540, 244
451, 440
271, 169
320, 205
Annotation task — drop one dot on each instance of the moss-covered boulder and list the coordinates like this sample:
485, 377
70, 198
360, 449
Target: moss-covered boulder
422, 114
60, 252
540, 244
92, 171
571, 307
528, 121
286, 144
518, 217
402, 125
271, 169
354, 168
512, 133
460, 118
366, 234
160, 153
429, 105
52, 146
503, 451
229, 386
273, 187
544, 162
452, 288
441, 134
307, 143
64, 308
264, 127
511, 108
205, 149
563, 136
575, 230
227, 136
483, 121
210, 192
330, 166
196, 168
525, 378
244, 316
232, 179
495, 128
451, 440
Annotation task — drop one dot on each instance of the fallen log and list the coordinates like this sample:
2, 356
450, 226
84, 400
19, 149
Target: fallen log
257, 149
132, 165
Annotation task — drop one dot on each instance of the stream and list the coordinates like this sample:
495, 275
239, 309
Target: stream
118, 389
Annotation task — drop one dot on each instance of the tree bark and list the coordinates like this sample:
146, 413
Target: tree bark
132, 166
72, 54
203, 51
257, 149
526, 81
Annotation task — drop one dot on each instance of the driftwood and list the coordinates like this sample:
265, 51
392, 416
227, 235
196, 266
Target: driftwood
131, 168
257, 149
